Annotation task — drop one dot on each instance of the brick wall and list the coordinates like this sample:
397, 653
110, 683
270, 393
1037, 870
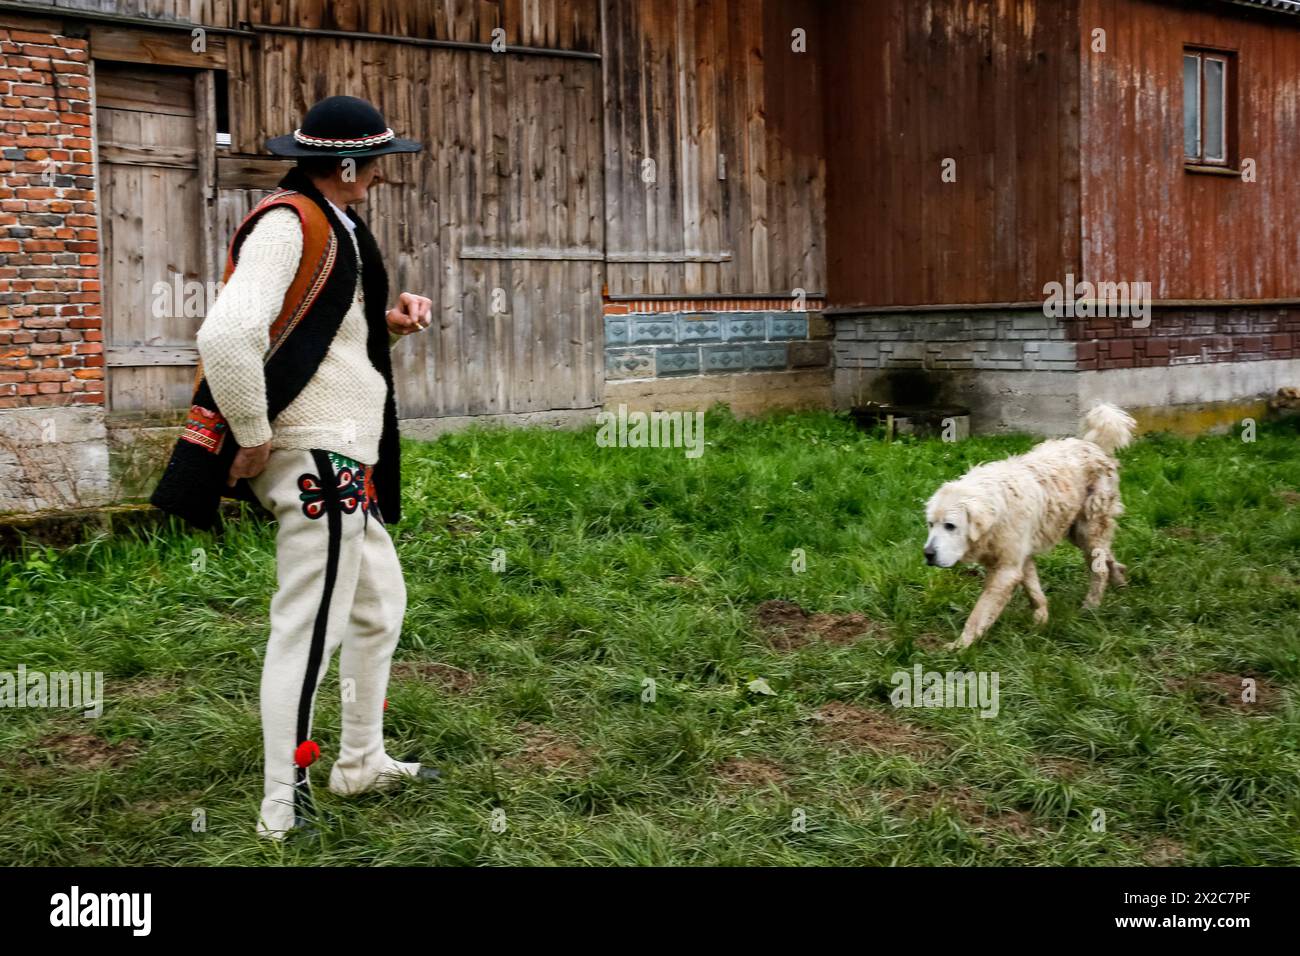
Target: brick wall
51, 339
1188, 337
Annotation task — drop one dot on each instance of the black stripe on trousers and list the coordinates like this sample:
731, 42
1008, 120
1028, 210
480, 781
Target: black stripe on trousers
302, 802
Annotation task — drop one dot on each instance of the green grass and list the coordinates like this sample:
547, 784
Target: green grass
623, 565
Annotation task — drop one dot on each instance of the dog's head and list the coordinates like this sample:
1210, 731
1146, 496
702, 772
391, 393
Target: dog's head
956, 521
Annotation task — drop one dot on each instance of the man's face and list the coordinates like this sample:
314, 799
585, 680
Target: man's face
354, 177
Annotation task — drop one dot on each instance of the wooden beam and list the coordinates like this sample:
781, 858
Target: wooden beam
422, 41
177, 157
537, 254
138, 355
23, 21
250, 172
205, 112
156, 47
687, 256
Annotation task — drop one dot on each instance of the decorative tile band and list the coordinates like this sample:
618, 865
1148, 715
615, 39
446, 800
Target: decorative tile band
640, 345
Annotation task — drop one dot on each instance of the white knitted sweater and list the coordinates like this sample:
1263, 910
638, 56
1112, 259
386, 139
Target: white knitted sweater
341, 409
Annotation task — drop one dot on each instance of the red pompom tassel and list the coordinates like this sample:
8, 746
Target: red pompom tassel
306, 754
385, 703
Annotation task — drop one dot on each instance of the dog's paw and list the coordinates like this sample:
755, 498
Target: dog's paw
1040, 616
1118, 575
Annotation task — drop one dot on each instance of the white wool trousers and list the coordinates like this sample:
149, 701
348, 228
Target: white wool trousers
339, 586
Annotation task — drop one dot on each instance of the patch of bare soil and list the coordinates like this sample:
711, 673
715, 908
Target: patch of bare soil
1216, 692
750, 774
787, 626
462, 526
146, 687
1163, 852
181, 803
1179, 532
972, 812
932, 642
78, 752
1061, 768
874, 729
453, 679
1290, 497
544, 749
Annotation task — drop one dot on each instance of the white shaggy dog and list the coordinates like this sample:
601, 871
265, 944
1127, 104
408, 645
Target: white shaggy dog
1002, 514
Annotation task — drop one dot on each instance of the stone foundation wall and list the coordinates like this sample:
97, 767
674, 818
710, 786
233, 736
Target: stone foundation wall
1019, 370
54, 457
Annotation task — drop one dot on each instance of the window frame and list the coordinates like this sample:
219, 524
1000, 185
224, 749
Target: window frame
1228, 105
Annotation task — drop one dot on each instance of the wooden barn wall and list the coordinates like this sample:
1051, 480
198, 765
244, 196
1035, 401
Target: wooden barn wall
511, 172
993, 85
1193, 236
556, 24
715, 96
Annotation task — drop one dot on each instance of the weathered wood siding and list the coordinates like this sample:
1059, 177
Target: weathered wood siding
209, 12
993, 85
486, 221
556, 24
713, 147
510, 180
151, 216
503, 220
1192, 235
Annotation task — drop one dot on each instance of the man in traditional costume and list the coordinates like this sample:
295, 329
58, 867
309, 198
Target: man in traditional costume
294, 408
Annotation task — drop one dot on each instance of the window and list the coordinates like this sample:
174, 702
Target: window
221, 91
1207, 107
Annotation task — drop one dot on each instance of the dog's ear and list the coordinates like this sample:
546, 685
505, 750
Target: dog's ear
979, 518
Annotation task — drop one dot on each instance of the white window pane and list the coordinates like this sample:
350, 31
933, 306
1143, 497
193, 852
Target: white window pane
1192, 106
1216, 146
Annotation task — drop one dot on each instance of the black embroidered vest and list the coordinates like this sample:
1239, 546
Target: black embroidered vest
194, 481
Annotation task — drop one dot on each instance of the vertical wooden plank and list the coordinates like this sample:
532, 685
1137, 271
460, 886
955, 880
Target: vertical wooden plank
206, 144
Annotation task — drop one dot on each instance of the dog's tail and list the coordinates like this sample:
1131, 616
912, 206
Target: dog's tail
1108, 427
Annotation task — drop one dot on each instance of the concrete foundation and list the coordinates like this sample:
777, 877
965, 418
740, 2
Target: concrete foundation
1018, 371
53, 457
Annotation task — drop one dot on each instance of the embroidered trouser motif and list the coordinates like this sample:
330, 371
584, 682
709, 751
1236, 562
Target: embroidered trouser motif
339, 586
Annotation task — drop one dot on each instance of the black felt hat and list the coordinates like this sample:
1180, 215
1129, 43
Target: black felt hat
341, 126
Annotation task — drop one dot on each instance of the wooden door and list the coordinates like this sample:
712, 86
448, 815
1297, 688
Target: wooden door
153, 217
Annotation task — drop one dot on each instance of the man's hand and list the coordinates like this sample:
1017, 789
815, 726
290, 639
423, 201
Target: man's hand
413, 313
249, 463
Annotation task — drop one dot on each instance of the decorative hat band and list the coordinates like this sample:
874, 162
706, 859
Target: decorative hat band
359, 142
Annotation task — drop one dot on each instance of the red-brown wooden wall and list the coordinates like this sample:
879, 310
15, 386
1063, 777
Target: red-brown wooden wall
993, 85
1068, 160
1193, 236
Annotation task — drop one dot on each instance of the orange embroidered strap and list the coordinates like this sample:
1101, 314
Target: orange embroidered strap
205, 428
319, 250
